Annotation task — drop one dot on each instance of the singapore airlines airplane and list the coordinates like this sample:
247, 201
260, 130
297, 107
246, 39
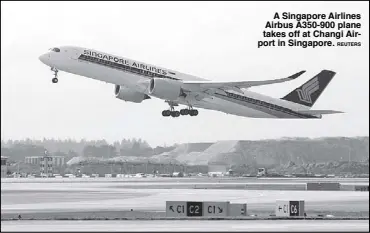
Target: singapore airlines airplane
136, 81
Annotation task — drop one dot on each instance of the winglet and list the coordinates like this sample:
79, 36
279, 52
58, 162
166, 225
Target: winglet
294, 76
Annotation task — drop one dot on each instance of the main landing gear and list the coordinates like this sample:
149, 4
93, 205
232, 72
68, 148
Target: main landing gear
55, 79
187, 111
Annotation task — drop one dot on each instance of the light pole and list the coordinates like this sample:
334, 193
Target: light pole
349, 155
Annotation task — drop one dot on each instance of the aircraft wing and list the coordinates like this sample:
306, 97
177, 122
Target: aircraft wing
236, 86
319, 111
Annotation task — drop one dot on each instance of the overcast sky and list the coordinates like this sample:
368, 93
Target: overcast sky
213, 40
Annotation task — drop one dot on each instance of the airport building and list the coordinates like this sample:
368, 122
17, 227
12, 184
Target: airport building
46, 166
57, 161
4, 167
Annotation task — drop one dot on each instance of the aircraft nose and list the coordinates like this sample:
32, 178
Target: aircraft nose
44, 58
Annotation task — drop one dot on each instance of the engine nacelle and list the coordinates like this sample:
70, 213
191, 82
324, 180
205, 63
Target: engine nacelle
167, 89
126, 94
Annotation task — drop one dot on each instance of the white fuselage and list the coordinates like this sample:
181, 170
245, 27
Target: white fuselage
248, 104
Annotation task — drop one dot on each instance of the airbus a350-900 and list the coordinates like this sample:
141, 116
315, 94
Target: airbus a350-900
137, 82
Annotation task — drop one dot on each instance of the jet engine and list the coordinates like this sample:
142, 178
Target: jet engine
126, 94
165, 88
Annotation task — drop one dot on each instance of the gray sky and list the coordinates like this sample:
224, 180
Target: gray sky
213, 40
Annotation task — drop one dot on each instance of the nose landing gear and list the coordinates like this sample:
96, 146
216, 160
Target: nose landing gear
55, 79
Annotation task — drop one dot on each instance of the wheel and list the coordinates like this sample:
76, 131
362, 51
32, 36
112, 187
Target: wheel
177, 113
193, 112
184, 112
166, 113
173, 113
54, 80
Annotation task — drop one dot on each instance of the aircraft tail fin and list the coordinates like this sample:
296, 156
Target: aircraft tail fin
308, 93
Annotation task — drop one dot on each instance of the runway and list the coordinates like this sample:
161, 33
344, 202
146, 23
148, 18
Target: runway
187, 225
114, 197
130, 198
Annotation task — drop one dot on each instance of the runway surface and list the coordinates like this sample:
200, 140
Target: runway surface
187, 225
50, 198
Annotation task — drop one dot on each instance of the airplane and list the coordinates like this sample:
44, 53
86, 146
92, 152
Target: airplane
136, 82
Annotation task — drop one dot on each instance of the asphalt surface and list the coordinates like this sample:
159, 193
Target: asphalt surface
120, 197
188, 225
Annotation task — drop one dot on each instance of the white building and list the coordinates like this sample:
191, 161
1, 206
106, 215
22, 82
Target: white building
217, 169
57, 161
46, 166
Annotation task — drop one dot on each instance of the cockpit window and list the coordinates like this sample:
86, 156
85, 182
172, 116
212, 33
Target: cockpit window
55, 50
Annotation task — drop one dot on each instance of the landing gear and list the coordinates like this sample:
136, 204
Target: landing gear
175, 113
193, 112
171, 111
184, 112
55, 79
187, 111
166, 113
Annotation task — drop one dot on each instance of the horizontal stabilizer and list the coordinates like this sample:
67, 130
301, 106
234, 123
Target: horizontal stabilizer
314, 112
